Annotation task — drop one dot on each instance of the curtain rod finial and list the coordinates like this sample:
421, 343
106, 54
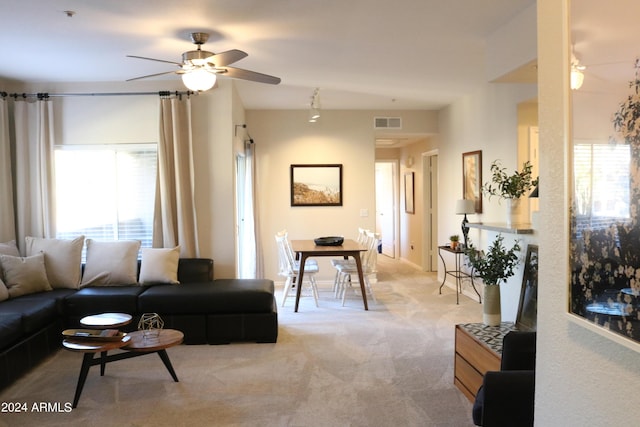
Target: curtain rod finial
243, 126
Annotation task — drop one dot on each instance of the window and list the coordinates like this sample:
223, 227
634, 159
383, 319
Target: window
105, 192
602, 180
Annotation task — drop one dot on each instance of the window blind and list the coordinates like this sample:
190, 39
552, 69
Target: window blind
106, 192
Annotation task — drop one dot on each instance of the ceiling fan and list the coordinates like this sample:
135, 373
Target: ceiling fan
199, 68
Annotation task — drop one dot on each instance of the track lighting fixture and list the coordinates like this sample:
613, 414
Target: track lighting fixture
314, 111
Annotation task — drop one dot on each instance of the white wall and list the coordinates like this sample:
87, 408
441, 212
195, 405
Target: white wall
582, 378
486, 120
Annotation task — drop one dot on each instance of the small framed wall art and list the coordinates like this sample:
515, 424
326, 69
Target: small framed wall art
472, 178
408, 193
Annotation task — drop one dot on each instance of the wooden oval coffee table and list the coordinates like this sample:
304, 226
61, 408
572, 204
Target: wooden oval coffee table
133, 345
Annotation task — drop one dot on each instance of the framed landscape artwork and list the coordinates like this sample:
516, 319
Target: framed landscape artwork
316, 185
472, 178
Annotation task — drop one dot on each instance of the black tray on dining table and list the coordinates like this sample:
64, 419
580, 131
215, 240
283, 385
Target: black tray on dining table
329, 241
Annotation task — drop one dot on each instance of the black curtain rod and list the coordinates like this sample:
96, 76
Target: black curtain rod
52, 95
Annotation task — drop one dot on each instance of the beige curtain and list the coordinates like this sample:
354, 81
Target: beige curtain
252, 264
175, 215
34, 186
7, 217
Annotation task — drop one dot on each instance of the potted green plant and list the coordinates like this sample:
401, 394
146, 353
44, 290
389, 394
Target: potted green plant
493, 267
455, 241
509, 187
625, 120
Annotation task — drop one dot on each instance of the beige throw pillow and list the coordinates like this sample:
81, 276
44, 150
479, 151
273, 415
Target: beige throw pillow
4, 292
62, 259
24, 275
111, 263
159, 265
9, 248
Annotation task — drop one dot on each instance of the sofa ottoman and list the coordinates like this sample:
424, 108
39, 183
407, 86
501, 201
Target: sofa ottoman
102, 299
225, 310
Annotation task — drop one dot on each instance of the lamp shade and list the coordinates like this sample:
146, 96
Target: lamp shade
465, 206
199, 80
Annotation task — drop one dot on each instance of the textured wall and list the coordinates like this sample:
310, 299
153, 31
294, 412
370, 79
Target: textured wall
583, 378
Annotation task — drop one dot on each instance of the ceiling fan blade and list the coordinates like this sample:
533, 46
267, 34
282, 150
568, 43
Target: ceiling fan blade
225, 58
151, 75
239, 73
153, 59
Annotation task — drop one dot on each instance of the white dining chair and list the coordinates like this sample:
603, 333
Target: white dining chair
285, 234
348, 274
336, 262
289, 268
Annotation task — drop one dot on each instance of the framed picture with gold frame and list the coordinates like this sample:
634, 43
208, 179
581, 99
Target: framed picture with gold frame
472, 178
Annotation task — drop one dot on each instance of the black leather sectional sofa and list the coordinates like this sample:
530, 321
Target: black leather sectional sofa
207, 311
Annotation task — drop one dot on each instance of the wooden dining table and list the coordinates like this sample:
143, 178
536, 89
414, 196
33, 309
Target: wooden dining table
308, 248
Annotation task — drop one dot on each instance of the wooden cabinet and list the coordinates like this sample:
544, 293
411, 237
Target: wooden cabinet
478, 349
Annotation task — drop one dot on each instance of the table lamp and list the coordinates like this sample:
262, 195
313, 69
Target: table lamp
464, 207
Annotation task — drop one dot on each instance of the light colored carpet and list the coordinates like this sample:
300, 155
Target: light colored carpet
332, 366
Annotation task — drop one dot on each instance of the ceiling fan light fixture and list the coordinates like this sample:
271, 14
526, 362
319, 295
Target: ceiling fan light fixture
577, 78
196, 57
199, 80
199, 68
577, 75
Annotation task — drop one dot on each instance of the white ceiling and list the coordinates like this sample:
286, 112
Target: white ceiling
604, 37
362, 54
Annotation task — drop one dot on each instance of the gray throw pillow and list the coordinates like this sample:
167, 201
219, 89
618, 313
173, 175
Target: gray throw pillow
24, 275
62, 259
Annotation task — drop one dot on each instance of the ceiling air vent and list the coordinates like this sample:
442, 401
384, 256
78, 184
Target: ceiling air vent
387, 123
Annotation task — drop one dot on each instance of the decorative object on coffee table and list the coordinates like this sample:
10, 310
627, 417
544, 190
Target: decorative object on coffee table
496, 266
106, 320
150, 324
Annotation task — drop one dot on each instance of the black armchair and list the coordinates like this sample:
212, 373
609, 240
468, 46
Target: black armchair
506, 397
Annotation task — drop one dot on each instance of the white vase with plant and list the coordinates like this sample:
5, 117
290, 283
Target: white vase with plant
493, 267
509, 187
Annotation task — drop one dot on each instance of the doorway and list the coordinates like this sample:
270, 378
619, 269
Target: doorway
430, 211
387, 225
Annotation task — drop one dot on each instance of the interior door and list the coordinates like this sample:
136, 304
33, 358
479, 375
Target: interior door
386, 206
430, 219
